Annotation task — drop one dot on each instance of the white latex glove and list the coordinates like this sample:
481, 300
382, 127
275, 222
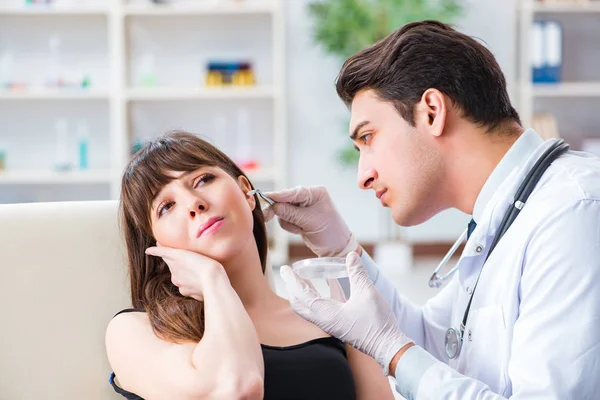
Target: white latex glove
309, 211
365, 321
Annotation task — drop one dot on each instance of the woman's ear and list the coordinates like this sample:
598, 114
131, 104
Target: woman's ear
246, 187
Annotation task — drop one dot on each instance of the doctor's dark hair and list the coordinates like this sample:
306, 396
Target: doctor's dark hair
173, 317
430, 54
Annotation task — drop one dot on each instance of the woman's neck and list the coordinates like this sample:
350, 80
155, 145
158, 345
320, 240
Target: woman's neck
247, 279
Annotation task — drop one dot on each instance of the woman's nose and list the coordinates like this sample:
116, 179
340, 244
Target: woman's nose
196, 206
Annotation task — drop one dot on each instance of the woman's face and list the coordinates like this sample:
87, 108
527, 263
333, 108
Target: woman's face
206, 211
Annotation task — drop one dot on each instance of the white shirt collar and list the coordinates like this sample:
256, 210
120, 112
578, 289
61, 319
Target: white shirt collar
516, 156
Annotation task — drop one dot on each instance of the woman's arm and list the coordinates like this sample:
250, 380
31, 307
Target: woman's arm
369, 380
226, 364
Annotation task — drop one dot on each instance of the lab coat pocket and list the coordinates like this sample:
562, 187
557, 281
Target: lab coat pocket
485, 345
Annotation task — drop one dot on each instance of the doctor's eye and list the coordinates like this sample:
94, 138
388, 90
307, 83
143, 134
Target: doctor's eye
365, 138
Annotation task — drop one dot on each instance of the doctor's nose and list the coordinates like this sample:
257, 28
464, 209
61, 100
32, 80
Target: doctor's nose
366, 177
196, 207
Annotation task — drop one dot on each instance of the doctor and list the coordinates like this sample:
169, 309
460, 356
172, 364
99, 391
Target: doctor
432, 120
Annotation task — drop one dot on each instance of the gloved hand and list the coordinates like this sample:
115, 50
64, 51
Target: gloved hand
310, 212
365, 321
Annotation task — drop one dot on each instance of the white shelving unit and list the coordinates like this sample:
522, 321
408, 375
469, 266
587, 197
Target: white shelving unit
569, 89
199, 93
54, 95
562, 94
17, 10
126, 111
37, 177
565, 7
204, 8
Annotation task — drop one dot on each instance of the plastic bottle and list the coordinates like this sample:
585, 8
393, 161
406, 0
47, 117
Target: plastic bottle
244, 138
148, 71
54, 79
2, 157
62, 153
7, 68
219, 135
83, 139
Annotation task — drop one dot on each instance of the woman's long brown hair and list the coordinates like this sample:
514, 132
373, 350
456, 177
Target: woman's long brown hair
173, 317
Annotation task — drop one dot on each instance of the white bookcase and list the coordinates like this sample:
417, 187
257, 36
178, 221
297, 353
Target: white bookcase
575, 98
112, 42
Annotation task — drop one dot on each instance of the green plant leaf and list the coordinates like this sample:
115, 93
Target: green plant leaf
344, 27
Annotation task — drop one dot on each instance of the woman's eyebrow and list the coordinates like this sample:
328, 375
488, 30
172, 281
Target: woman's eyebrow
175, 176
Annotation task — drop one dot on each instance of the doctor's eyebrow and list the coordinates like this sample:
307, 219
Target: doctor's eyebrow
354, 134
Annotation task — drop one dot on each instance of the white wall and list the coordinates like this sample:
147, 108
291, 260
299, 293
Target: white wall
318, 120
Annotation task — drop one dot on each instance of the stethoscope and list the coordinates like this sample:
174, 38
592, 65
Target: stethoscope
454, 336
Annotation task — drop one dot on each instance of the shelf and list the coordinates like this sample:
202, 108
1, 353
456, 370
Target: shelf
32, 177
199, 93
52, 11
579, 89
48, 177
566, 7
44, 94
208, 8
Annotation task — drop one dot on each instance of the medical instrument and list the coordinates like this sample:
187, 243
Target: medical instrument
454, 337
321, 268
262, 195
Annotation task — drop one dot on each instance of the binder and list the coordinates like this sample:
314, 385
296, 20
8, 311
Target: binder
547, 51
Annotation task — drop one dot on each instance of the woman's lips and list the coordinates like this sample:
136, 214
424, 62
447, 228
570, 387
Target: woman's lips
210, 226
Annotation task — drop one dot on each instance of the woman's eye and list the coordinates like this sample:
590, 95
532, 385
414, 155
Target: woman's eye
164, 208
203, 179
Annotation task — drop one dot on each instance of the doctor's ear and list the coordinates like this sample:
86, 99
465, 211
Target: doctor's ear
246, 187
431, 111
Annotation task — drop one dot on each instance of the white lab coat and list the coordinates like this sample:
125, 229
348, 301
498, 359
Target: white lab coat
533, 331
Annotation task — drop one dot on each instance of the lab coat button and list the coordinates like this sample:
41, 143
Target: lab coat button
470, 336
479, 249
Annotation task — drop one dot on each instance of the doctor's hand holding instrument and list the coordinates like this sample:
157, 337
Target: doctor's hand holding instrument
309, 211
365, 320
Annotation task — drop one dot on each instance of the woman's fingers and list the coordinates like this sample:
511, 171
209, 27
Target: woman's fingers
161, 251
156, 251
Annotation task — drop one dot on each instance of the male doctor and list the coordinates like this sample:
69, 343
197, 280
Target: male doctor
432, 120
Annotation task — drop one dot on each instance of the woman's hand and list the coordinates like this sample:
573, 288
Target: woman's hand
190, 271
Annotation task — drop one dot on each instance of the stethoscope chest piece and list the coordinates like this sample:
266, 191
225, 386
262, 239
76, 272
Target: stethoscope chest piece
453, 343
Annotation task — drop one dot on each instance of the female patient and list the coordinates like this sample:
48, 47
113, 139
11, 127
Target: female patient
208, 324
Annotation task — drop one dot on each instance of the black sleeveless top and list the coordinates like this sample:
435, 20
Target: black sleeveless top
317, 369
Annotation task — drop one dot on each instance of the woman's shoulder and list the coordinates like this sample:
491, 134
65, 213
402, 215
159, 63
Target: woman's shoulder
125, 325
130, 310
